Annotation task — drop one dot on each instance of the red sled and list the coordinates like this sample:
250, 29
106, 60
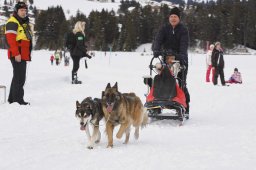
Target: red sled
165, 98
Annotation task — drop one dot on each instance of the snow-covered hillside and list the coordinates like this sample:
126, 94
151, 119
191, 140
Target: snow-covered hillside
82, 5
220, 135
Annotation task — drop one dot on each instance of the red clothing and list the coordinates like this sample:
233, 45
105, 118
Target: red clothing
17, 39
179, 98
208, 72
52, 58
14, 46
235, 78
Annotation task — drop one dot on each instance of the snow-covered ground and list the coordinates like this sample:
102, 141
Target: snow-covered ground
83, 6
220, 135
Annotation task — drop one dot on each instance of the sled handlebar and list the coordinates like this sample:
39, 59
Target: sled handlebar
151, 66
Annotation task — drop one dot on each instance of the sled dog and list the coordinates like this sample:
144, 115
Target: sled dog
89, 113
124, 109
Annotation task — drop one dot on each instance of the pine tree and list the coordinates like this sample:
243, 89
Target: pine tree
226, 24
51, 26
132, 36
250, 17
238, 19
96, 30
111, 28
146, 26
122, 34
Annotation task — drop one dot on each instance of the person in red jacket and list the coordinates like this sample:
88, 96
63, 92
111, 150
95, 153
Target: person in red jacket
19, 39
52, 59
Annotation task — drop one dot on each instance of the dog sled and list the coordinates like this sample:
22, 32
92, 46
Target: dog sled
165, 98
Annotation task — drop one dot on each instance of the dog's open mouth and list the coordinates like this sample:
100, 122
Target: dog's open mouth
110, 107
82, 127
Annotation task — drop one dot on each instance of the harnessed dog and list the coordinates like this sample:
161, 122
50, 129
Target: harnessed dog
89, 112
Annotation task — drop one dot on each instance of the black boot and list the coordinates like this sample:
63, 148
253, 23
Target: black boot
74, 79
187, 112
24, 103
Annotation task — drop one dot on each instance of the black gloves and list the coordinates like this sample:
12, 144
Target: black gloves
88, 56
181, 59
156, 54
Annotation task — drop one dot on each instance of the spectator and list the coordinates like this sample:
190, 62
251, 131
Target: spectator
79, 49
236, 77
218, 64
52, 59
57, 57
19, 39
209, 64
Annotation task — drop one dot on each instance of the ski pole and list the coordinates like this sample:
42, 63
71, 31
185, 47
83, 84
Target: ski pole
85, 63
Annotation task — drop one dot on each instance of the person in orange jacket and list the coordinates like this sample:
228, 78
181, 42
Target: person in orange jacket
19, 40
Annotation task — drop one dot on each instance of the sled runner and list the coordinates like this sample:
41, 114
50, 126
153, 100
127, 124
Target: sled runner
165, 98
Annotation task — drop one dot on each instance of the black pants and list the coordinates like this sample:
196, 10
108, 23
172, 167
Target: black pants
76, 61
19, 77
219, 71
182, 77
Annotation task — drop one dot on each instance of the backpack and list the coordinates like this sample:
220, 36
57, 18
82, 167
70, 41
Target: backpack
70, 40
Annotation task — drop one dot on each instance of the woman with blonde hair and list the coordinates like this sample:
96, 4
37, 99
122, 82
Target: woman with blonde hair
209, 64
79, 49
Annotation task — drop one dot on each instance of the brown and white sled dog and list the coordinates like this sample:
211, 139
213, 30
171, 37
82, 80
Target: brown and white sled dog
89, 112
125, 109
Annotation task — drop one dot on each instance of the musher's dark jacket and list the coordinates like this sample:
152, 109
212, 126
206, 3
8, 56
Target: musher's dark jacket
176, 39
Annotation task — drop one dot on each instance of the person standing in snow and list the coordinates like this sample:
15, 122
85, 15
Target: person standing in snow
174, 37
57, 57
218, 64
52, 59
79, 49
19, 39
209, 64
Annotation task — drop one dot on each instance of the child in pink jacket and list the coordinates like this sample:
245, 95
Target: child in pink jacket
236, 77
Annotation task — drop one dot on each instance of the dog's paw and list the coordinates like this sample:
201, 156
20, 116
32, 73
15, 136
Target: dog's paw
136, 135
89, 147
119, 136
125, 142
97, 141
110, 146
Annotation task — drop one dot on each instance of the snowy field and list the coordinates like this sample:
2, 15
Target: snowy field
220, 135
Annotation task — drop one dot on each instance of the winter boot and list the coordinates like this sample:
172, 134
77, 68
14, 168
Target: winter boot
74, 79
187, 113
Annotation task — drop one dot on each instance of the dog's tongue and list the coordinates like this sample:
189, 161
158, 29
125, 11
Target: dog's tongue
109, 108
82, 127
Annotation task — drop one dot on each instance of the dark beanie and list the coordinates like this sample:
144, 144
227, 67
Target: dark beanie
175, 11
20, 5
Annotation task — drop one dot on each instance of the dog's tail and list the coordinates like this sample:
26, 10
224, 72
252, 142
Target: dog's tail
145, 118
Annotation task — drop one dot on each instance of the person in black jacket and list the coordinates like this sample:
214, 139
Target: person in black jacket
19, 39
218, 64
79, 49
174, 37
